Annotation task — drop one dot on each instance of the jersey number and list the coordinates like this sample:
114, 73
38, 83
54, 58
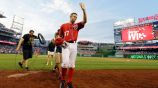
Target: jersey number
66, 33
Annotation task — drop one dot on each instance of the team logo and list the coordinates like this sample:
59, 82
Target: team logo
75, 26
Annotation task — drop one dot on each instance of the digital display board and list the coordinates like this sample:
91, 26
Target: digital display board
137, 33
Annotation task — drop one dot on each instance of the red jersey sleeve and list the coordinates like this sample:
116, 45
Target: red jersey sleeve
80, 25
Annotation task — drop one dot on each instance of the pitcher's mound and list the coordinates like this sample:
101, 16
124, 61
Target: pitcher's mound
22, 74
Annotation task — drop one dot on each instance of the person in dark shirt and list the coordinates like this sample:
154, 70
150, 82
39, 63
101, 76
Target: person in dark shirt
27, 48
51, 49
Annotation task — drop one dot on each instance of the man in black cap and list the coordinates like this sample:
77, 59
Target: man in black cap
26, 43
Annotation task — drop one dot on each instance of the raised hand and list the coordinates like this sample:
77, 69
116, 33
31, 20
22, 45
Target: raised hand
82, 5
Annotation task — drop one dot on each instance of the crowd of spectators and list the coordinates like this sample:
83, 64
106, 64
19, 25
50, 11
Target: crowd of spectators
146, 48
7, 49
10, 49
8, 40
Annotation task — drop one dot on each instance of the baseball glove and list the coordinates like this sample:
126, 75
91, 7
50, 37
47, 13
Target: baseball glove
59, 41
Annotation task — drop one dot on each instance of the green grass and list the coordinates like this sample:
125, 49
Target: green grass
9, 62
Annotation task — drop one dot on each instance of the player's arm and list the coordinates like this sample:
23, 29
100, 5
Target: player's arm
84, 13
61, 32
36, 37
19, 44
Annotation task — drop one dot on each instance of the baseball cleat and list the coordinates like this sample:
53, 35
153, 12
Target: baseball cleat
55, 67
62, 84
53, 70
27, 68
69, 85
20, 64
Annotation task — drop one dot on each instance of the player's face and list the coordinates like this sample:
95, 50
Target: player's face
31, 33
73, 18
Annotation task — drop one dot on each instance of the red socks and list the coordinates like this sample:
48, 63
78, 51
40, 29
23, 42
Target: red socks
63, 74
70, 74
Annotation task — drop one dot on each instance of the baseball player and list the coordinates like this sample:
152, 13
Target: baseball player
69, 32
26, 42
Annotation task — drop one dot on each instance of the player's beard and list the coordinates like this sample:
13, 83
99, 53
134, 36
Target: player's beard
73, 21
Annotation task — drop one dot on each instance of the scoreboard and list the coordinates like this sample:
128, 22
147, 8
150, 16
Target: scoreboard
142, 32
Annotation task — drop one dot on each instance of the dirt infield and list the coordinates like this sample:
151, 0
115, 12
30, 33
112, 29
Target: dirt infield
82, 79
